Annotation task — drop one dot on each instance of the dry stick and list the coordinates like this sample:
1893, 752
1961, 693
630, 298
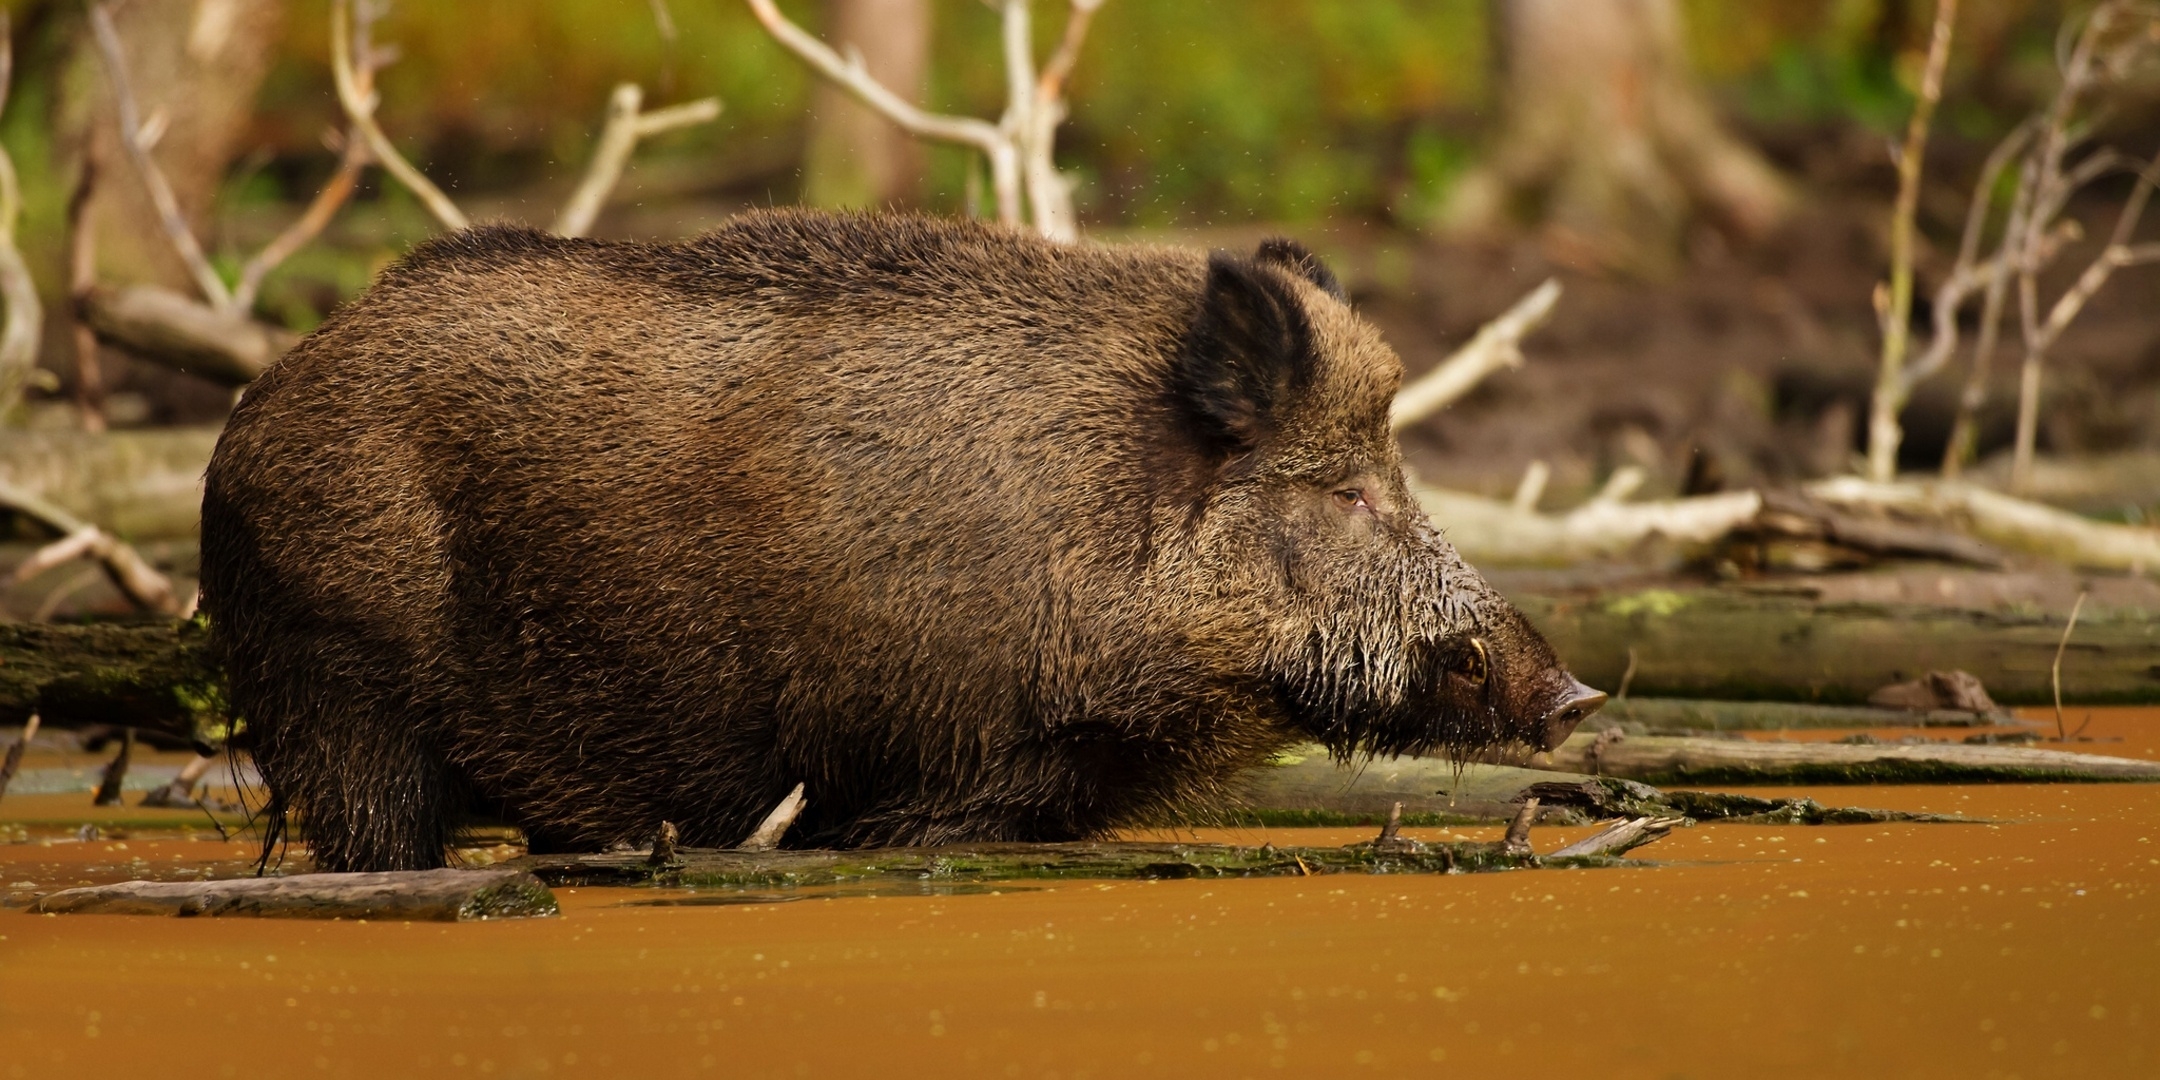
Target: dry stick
25, 316
2055, 669
1517, 839
352, 161
1498, 344
663, 847
2082, 69
618, 139
359, 105
775, 825
1531, 487
995, 143
14, 758
1967, 273
1883, 432
181, 791
170, 218
108, 791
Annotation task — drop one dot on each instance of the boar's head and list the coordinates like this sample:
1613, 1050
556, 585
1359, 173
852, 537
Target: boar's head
1376, 636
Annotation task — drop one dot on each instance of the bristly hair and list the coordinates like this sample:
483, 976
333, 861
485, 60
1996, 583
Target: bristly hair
1299, 259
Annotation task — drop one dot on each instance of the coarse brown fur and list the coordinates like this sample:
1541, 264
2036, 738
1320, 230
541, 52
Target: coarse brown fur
978, 536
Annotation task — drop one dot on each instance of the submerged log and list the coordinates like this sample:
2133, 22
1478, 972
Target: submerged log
1655, 759
418, 895
1731, 644
965, 864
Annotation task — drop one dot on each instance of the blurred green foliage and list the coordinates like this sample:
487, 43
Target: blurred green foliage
1185, 112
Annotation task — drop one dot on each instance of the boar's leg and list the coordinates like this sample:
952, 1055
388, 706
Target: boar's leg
350, 756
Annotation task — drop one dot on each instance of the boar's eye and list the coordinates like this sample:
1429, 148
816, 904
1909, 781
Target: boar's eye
1473, 665
1349, 499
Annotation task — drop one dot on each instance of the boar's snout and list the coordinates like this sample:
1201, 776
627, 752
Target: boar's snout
1575, 706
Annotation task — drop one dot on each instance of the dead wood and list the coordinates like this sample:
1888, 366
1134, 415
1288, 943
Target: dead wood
1497, 345
1307, 788
1517, 839
157, 677
185, 334
969, 864
1740, 645
415, 895
1655, 759
1684, 716
768, 833
1621, 837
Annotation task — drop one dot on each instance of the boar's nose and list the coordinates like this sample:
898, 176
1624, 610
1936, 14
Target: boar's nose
1576, 706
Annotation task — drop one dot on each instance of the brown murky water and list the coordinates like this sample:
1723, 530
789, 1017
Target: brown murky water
2028, 946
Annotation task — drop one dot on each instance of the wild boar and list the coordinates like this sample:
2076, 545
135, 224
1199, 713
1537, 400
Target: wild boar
978, 536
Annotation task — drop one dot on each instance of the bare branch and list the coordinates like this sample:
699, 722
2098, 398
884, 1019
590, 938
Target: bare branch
310, 224
1049, 192
852, 76
177, 232
1884, 433
855, 78
359, 108
619, 136
1498, 344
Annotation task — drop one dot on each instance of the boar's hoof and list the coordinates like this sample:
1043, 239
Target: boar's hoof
1580, 703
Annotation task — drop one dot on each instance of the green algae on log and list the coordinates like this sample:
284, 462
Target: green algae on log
1653, 759
1737, 645
960, 864
418, 895
160, 676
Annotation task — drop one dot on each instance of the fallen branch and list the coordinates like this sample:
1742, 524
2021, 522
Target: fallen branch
358, 100
413, 895
1621, 837
2006, 521
164, 326
768, 833
180, 791
1679, 760
134, 576
1498, 345
144, 483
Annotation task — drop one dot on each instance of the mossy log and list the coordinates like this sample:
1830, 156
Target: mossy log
160, 676
1740, 645
971, 864
1684, 760
416, 895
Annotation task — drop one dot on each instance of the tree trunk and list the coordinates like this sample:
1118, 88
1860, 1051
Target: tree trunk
1607, 141
855, 157
195, 66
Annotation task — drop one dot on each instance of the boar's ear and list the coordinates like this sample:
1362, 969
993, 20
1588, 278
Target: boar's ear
1299, 260
1248, 349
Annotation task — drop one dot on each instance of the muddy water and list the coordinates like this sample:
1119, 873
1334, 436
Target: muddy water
2027, 946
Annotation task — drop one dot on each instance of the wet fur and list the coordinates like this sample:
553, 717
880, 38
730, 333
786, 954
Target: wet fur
977, 536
